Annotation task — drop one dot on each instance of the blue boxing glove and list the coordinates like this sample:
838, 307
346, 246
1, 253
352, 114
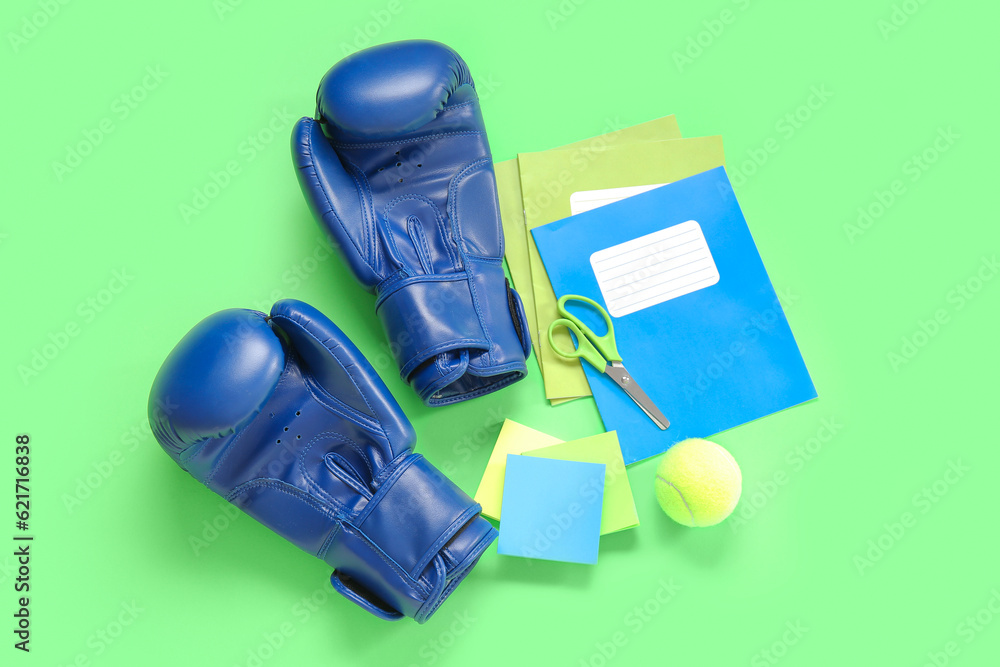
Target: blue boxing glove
284, 417
397, 168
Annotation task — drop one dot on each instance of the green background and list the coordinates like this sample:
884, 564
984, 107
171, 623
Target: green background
114, 518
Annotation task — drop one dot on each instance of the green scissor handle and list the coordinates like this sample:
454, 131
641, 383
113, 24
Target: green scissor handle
597, 350
583, 347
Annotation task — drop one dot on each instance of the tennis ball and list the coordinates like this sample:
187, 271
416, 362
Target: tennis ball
698, 483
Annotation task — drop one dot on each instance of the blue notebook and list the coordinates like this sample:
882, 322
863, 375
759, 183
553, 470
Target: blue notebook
696, 319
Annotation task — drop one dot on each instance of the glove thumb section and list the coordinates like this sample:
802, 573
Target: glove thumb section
334, 199
340, 368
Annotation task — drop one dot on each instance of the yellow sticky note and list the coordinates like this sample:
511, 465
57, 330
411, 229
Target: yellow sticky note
514, 438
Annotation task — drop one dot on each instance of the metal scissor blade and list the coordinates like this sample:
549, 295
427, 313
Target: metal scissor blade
616, 371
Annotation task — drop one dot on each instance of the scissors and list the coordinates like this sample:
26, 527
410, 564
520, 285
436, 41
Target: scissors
601, 352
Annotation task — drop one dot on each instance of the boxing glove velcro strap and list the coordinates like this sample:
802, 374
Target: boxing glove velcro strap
412, 314
420, 503
411, 544
356, 593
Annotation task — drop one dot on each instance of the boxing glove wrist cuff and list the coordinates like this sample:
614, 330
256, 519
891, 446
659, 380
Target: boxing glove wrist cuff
414, 337
392, 579
484, 335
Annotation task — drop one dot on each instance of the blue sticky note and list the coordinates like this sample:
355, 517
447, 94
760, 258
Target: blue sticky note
551, 509
698, 324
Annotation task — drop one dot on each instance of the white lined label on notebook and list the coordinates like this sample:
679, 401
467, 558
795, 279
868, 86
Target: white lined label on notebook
588, 200
654, 268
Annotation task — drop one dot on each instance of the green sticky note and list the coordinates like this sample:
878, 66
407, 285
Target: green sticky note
618, 511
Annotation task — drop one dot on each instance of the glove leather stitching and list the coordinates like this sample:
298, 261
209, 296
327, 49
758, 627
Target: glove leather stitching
318, 488
311, 167
391, 142
428, 352
415, 231
482, 322
457, 229
453, 197
284, 487
405, 578
369, 222
448, 242
467, 515
333, 352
